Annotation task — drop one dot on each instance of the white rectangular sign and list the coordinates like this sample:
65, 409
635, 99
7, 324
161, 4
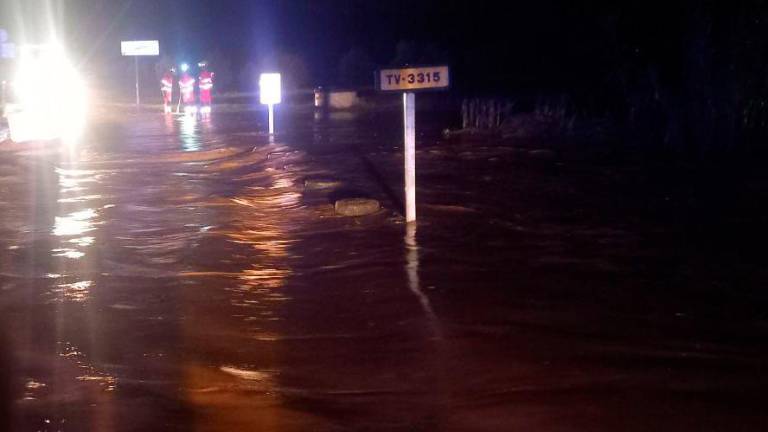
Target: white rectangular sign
269, 88
416, 78
140, 48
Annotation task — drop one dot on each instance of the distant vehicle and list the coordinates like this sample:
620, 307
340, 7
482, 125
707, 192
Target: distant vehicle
47, 97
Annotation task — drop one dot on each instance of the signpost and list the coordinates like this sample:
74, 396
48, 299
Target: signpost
270, 94
407, 81
137, 49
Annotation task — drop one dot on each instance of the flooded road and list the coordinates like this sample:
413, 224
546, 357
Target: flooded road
167, 273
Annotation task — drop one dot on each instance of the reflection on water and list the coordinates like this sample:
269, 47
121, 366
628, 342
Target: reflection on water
58, 324
75, 223
70, 180
264, 226
85, 370
194, 284
168, 292
243, 392
190, 139
76, 292
414, 284
72, 226
67, 253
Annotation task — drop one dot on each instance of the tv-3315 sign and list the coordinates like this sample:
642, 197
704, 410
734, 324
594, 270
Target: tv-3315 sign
413, 79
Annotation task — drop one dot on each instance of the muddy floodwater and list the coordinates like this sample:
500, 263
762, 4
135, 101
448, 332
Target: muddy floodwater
166, 273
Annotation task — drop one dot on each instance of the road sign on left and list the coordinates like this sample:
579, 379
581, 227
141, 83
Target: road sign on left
140, 48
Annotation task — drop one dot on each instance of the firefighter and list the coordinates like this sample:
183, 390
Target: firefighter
187, 89
166, 87
205, 81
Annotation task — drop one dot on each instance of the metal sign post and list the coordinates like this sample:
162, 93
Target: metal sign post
407, 81
136, 63
409, 139
136, 49
271, 119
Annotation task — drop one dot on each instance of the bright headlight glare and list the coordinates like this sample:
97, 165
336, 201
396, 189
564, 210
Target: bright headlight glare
51, 93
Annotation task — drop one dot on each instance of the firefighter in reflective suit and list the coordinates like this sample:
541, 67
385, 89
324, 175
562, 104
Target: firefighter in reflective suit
166, 87
205, 81
187, 89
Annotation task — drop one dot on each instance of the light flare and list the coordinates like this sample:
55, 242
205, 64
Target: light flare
51, 96
75, 223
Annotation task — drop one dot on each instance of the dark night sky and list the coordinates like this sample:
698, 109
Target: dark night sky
662, 67
511, 45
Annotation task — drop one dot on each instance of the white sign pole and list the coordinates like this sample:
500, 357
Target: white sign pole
407, 81
271, 119
409, 121
136, 49
138, 100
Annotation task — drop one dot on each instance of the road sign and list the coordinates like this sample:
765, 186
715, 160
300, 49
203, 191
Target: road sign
270, 94
269, 88
140, 48
136, 49
413, 79
407, 81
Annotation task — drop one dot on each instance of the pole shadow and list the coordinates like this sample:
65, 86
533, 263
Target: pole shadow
380, 180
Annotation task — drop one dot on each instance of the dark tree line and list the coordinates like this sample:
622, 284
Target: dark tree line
690, 76
686, 75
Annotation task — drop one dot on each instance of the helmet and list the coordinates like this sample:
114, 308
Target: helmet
203, 64
172, 70
184, 67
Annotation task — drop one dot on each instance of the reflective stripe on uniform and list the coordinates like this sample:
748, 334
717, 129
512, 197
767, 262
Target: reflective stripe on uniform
206, 83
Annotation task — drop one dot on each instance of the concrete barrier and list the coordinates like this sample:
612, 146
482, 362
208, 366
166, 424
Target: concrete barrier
336, 99
356, 206
343, 99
